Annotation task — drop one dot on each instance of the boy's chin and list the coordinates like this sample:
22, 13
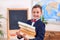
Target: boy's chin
36, 18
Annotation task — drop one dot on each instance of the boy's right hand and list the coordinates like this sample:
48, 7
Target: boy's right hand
17, 33
19, 36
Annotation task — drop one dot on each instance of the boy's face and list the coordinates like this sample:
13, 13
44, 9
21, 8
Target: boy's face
36, 12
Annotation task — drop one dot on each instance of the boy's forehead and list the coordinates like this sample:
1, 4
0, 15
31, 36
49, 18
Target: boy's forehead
36, 9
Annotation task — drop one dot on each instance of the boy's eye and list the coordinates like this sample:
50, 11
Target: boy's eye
33, 12
37, 12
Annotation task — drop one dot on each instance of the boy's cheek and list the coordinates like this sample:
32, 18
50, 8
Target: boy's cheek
35, 15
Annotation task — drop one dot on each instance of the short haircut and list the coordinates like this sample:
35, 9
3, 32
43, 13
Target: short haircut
37, 6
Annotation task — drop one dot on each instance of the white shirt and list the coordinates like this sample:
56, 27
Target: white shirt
34, 22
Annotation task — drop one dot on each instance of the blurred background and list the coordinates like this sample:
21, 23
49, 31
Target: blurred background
51, 17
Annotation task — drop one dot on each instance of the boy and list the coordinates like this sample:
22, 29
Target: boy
35, 21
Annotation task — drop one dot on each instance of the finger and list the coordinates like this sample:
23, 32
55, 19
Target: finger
24, 34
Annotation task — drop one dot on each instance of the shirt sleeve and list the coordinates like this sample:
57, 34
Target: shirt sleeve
40, 32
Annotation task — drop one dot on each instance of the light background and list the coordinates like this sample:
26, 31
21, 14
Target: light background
4, 4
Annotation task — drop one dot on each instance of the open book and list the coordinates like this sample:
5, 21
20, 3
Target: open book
27, 29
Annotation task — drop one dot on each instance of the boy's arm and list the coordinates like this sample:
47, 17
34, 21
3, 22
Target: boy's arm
40, 33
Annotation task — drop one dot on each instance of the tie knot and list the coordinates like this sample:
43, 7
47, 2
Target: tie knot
33, 20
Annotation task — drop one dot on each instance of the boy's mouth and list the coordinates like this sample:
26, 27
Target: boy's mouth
36, 16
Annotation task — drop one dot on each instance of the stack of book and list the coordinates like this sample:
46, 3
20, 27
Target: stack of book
27, 29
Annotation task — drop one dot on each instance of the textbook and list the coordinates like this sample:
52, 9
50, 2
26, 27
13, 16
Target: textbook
27, 29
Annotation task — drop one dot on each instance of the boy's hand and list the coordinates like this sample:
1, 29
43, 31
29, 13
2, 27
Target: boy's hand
19, 36
24, 36
17, 33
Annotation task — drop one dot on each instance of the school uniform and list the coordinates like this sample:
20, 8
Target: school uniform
39, 28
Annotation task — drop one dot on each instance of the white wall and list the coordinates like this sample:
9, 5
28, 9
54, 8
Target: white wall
53, 27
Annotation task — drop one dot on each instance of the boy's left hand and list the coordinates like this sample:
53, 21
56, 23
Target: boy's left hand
24, 36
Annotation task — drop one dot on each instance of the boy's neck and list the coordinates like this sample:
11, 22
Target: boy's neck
37, 19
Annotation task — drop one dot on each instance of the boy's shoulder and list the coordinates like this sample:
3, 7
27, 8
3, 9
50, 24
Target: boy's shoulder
29, 20
36, 21
40, 22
